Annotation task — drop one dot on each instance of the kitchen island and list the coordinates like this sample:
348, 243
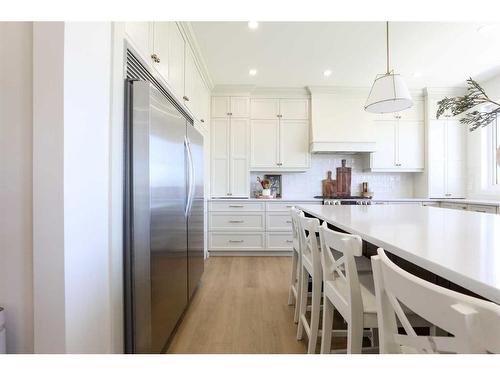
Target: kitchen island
455, 248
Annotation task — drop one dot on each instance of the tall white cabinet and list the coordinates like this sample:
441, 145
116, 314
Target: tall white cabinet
230, 142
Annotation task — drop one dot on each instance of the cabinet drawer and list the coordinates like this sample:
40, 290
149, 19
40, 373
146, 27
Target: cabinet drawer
454, 206
236, 206
286, 206
279, 241
248, 221
483, 208
279, 222
236, 241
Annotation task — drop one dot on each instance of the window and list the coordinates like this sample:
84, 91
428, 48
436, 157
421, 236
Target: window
496, 152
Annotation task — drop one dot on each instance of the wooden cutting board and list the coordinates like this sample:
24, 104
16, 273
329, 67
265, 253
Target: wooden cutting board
329, 186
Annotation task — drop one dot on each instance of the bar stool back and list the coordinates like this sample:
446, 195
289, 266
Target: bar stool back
474, 323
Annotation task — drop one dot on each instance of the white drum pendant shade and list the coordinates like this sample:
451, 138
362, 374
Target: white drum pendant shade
388, 94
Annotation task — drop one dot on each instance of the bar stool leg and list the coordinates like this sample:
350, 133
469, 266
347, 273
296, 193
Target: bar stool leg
293, 281
316, 302
326, 336
302, 301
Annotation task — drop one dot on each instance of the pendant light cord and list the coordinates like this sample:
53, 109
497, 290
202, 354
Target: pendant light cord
387, 41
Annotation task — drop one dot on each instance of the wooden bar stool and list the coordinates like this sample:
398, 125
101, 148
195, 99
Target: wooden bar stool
474, 323
296, 263
310, 267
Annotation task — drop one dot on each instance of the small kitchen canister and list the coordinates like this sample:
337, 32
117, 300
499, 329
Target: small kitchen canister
3, 345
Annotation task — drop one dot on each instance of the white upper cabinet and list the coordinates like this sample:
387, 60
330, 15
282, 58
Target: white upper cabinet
264, 144
415, 113
447, 158
220, 106
239, 106
279, 134
400, 146
234, 106
264, 109
294, 144
191, 89
287, 109
140, 34
159, 55
411, 145
176, 61
294, 109
385, 156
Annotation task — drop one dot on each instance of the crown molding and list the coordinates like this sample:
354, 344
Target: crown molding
444, 91
190, 36
344, 90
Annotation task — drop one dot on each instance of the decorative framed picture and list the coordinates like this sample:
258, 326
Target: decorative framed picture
275, 184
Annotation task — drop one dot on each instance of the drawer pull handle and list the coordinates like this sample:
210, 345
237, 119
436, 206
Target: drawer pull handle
289, 206
289, 241
236, 241
289, 221
236, 221
235, 206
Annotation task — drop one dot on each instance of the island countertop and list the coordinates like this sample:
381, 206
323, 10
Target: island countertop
460, 246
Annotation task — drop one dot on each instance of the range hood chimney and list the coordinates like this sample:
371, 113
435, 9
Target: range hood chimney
339, 123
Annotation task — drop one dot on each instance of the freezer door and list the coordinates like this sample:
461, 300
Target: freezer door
196, 210
159, 225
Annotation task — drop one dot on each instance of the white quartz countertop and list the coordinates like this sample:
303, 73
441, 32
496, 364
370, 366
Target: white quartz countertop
298, 199
460, 246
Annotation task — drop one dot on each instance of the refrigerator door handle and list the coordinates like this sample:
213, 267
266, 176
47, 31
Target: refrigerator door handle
190, 176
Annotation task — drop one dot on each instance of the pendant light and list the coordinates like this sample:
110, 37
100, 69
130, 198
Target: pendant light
389, 92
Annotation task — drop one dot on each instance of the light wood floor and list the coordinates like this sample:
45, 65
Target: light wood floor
240, 307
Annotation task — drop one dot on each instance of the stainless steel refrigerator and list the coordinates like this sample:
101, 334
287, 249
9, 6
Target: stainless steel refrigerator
164, 216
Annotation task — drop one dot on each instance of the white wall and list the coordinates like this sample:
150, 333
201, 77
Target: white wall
308, 184
16, 275
71, 187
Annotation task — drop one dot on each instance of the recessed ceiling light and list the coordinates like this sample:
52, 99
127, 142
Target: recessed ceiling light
417, 74
327, 73
252, 72
253, 24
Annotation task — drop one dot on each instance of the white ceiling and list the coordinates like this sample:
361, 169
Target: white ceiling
295, 54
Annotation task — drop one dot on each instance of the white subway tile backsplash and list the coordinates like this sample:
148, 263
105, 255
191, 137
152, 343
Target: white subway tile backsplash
308, 184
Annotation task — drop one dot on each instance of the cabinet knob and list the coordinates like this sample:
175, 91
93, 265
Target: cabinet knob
201, 120
185, 98
155, 58
229, 113
279, 116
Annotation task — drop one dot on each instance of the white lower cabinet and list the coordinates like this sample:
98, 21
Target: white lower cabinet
236, 241
239, 226
279, 241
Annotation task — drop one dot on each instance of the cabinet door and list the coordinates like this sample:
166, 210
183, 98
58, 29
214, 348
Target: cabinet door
205, 104
190, 82
220, 157
264, 145
239, 184
455, 159
220, 106
176, 61
294, 143
294, 109
411, 145
385, 156
160, 47
437, 159
139, 33
240, 106
264, 109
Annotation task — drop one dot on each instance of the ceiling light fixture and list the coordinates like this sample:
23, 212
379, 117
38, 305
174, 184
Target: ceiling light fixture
253, 25
252, 72
389, 92
327, 73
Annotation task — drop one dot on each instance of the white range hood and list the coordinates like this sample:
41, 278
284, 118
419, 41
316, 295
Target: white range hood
339, 123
